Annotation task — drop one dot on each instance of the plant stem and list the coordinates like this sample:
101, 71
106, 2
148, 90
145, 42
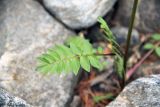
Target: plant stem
135, 5
136, 66
109, 54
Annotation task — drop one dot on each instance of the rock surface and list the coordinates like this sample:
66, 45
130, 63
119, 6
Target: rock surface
149, 68
7, 100
27, 31
78, 13
121, 32
143, 92
147, 17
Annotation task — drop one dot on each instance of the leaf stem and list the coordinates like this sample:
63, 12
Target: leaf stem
135, 5
101, 54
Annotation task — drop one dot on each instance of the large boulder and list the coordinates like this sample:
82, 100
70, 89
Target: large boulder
143, 92
147, 17
78, 13
27, 31
8, 100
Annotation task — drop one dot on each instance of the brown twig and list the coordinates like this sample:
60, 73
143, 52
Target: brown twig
136, 66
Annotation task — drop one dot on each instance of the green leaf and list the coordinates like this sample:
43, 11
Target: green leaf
75, 49
68, 66
44, 68
49, 58
119, 65
100, 50
53, 69
59, 50
85, 63
115, 47
102, 22
80, 45
61, 58
115, 43
97, 99
87, 47
75, 65
54, 54
69, 40
60, 67
66, 50
148, 46
107, 31
78, 41
156, 37
43, 59
95, 62
157, 50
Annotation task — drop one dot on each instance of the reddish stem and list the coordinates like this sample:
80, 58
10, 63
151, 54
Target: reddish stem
136, 66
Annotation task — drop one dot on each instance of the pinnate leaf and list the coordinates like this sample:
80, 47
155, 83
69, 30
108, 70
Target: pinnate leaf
119, 65
107, 31
157, 50
95, 62
75, 65
75, 49
148, 46
85, 63
44, 68
69, 58
115, 47
156, 37
43, 59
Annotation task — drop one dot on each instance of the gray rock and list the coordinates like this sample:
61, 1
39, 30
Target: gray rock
143, 92
2, 42
76, 102
2, 37
121, 35
147, 17
78, 13
149, 68
7, 100
29, 31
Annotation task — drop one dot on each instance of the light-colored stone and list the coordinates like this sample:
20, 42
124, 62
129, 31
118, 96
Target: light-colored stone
78, 13
147, 17
76, 102
29, 30
143, 92
7, 100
